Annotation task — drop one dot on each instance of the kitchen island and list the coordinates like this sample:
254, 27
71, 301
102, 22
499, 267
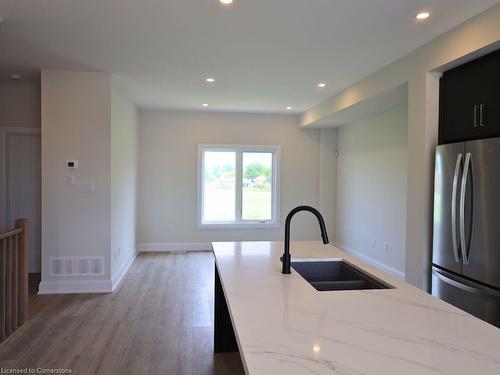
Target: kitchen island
280, 324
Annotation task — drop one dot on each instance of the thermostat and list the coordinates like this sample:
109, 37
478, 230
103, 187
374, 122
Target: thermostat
72, 164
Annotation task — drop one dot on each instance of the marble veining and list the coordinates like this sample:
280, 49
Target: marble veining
284, 326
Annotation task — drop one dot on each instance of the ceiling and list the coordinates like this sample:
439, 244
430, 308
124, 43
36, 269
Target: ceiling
264, 54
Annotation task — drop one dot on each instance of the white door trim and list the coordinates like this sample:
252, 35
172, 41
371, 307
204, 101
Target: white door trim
4, 133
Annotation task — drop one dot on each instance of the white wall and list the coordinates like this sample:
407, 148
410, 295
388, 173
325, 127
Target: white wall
20, 105
371, 187
123, 181
168, 172
76, 115
476, 36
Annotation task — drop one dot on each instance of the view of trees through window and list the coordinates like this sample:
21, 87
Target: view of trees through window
220, 186
257, 186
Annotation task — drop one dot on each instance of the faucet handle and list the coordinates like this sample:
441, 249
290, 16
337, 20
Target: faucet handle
286, 260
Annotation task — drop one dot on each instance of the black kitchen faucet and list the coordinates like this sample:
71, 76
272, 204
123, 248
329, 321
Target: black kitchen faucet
286, 254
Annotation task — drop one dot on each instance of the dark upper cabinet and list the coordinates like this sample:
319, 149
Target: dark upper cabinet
470, 101
490, 94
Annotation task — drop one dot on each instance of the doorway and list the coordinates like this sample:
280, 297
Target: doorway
21, 186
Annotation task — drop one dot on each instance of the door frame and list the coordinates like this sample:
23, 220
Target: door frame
5, 132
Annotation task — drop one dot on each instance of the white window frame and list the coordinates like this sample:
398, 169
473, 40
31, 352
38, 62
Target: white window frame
238, 223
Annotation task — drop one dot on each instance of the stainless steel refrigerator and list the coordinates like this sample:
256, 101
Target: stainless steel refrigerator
466, 238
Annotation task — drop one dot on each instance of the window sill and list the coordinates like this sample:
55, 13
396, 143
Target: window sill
239, 226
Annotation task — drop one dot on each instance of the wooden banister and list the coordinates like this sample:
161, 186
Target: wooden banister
11, 233
23, 225
13, 278
8, 287
3, 273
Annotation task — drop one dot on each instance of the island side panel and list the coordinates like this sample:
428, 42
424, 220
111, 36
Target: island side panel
224, 339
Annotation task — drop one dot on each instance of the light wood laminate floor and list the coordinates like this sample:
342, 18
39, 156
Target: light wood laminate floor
159, 321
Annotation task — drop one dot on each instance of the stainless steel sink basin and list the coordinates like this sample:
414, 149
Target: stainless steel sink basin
336, 275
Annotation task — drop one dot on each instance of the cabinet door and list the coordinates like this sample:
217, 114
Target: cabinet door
461, 99
490, 95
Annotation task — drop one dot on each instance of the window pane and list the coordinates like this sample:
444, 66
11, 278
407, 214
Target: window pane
257, 186
219, 186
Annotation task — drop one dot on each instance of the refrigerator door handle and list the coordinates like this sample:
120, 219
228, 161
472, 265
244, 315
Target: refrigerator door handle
454, 208
465, 285
463, 191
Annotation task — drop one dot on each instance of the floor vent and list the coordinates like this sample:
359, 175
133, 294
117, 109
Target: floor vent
76, 266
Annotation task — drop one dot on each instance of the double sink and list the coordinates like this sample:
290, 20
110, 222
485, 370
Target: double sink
336, 275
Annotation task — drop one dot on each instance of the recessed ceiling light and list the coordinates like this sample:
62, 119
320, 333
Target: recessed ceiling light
288, 108
422, 15
321, 84
210, 80
226, 2
204, 105
15, 76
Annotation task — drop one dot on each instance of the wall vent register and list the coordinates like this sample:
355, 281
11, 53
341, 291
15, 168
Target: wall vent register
76, 266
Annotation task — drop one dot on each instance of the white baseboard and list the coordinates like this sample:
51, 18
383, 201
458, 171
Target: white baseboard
75, 286
394, 272
175, 246
115, 281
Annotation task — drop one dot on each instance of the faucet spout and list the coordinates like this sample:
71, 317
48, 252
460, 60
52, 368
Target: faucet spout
286, 259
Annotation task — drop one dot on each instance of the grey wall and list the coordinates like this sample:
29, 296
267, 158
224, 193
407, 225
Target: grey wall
168, 171
76, 117
371, 188
123, 181
20, 105
86, 116
328, 178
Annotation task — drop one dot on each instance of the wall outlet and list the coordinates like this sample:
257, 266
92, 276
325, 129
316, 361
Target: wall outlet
70, 180
118, 251
373, 244
115, 255
386, 246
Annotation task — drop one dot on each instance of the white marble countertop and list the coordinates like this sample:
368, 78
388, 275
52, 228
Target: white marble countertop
284, 326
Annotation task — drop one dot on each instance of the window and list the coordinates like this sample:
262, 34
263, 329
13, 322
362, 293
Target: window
238, 186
